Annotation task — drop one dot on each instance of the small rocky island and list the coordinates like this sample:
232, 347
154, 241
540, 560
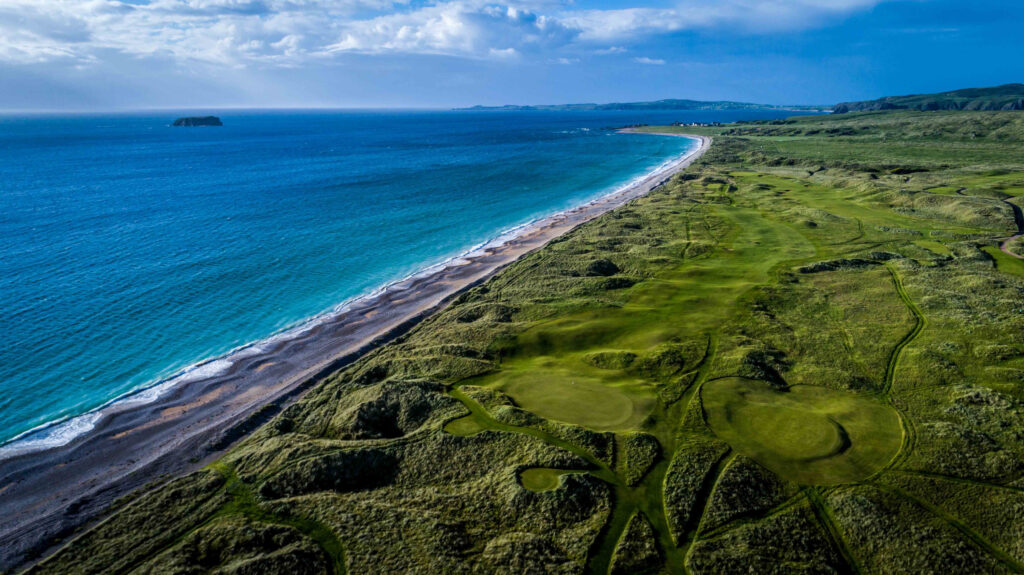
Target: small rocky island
193, 121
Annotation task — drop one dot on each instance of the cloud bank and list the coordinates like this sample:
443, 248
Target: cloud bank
287, 33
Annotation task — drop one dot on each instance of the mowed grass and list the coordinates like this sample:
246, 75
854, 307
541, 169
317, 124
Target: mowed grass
541, 479
943, 190
571, 397
464, 426
1005, 263
872, 210
809, 434
549, 373
935, 247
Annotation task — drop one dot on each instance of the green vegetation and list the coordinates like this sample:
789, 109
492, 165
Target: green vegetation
467, 425
804, 354
1004, 262
542, 478
1005, 97
636, 552
561, 395
809, 434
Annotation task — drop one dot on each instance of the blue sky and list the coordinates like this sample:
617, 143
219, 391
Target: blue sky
110, 54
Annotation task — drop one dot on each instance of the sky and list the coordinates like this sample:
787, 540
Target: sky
127, 54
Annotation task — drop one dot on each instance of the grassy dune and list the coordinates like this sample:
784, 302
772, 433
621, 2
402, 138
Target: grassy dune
805, 354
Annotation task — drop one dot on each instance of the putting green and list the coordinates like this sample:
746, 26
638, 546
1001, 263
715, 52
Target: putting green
570, 397
811, 435
797, 434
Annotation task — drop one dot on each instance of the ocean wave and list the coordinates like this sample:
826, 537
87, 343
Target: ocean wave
63, 431
50, 435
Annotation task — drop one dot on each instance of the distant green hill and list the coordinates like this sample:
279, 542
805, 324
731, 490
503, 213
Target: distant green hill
657, 105
1005, 97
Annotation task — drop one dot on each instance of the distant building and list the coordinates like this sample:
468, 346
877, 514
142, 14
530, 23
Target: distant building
697, 124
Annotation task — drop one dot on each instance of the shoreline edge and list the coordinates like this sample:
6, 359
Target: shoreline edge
180, 423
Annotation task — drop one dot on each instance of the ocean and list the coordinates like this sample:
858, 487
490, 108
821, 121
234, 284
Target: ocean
132, 251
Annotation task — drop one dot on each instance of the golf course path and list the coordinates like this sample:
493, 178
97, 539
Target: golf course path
1018, 217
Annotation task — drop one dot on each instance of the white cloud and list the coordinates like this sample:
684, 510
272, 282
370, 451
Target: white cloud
630, 23
238, 33
503, 54
748, 16
458, 28
651, 61
224, 32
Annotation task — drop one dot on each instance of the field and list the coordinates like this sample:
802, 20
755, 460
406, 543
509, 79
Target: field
804, 354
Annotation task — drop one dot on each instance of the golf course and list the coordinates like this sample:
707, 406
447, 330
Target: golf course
802, 354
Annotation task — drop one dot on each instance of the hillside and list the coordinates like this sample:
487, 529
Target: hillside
803, 355
1005, 97
655, 105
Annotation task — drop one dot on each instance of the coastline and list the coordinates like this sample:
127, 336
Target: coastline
177, 425
61, 431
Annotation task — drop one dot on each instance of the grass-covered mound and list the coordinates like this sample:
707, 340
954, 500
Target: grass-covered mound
813, 435
805, 354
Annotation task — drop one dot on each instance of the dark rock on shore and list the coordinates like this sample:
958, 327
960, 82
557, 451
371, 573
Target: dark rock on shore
193, 121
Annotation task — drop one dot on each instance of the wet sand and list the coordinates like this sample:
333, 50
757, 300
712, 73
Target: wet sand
47, 494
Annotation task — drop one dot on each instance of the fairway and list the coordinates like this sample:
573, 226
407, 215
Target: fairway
573, 398
550, 374
1005, 263
542, 478
935, 247
464, 426
808, 434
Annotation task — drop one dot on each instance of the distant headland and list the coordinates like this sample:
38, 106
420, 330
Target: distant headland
657, 105
1007, 97
193, 121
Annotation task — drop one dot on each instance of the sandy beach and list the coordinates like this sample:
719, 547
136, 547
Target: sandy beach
47, 493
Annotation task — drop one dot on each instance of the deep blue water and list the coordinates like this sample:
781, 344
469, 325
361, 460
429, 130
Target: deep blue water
130, 249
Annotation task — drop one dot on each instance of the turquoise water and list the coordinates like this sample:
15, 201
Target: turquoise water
130, 250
